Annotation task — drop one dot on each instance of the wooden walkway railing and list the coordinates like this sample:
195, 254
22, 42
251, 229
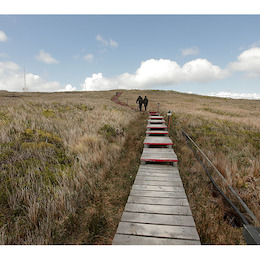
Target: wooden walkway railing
157, 211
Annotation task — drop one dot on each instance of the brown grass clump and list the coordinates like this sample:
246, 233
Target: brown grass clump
227, 131
53, 156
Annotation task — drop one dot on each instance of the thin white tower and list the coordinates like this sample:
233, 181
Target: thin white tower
24, 87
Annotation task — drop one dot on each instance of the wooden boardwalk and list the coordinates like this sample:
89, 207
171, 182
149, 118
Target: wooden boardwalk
157, 211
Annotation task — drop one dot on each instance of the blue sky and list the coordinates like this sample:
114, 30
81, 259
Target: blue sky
203, 54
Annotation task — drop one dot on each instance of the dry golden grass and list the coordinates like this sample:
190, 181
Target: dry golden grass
228, 132
63, 167
54, 150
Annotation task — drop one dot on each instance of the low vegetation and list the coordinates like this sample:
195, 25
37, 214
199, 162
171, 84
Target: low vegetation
68, 160
228, 132
55, 150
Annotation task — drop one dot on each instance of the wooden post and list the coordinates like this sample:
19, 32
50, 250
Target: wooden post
169, 119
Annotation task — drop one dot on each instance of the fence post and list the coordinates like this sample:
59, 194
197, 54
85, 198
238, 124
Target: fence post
169, 119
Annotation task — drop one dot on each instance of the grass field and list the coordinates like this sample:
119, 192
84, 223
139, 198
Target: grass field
228, 132
68, 160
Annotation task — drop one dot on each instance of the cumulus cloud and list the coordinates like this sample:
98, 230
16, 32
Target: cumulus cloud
248, 62
88, 57
236, 95
161, 72
12, 79
190, 51
46, 58
3, 37
7, 67
201, 70
67, 88
105, 42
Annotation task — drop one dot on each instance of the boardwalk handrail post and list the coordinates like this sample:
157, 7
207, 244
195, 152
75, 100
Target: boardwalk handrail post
169, 119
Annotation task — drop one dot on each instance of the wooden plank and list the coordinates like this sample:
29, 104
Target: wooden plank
158, 194
152, 230
154, 167
158, 140
156, 121
160, 183
156, 188
168, 176
158, 201
158, 209
170, 220
121, 239
158, 155
158, 178
156, 132
156, 117
159, 171
156, 126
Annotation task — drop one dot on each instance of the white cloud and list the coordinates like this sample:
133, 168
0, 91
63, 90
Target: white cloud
12, 79
67, 88
236, 95
105, 42
201, 70
46, 58
3, 37
7, 66
248, 62
190, 51
161, 72
88, 57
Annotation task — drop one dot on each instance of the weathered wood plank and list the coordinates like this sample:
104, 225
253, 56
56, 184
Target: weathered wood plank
158, 194
158, 155
157, 132
121, 239
156, 117
156, 188
158, 183
157, 166
155, 174
158, 140
158, 201
156, 121
157, 170
158, 209
170, 220
157, 126
158, 178
152, 230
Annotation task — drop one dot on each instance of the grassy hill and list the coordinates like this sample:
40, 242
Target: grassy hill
68, 160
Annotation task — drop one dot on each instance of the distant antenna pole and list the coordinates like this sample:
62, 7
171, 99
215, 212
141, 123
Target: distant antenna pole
24, 76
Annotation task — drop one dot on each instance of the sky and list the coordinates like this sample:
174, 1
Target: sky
216, 55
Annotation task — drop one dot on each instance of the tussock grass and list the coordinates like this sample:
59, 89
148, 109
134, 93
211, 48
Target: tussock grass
52, 159
228, 132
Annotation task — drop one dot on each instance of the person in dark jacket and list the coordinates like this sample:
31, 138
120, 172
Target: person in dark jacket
140, 101
145, 101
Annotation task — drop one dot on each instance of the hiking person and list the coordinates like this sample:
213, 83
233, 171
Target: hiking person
140, 101
145, 101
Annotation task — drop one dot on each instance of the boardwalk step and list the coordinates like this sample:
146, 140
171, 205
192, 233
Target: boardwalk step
162, 231
158, 140
156, 126
156, 117
158, 155
156, 121
158, 219
122, 239
157, 132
